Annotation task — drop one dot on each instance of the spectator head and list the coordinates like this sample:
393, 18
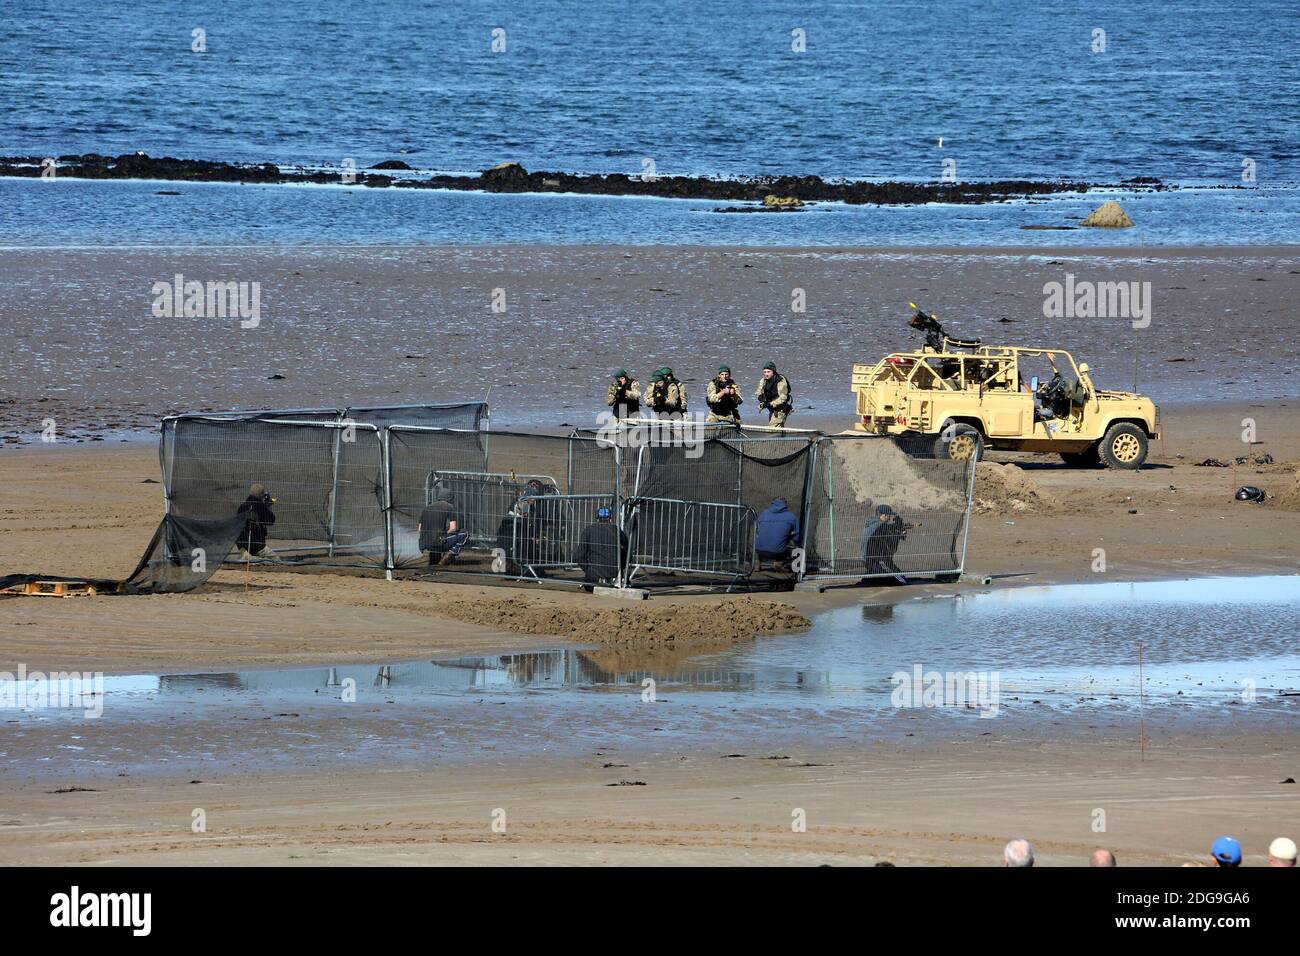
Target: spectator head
602, 514
1226, 851
257, 489
1282, 852
1102, 858
884, 511
442, 494
1018, 853
780, 500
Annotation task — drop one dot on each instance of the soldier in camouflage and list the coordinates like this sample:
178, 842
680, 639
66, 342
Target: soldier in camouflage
667, 395
774, 395
723, 397
624, 396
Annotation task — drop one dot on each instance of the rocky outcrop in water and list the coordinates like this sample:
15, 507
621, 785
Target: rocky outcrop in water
511, 177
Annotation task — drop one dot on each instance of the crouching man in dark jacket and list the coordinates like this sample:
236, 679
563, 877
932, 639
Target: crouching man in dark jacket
602, 550
883, 532
259, 516
777, 533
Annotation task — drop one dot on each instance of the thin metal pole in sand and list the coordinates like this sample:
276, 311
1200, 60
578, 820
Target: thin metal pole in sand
1142, 728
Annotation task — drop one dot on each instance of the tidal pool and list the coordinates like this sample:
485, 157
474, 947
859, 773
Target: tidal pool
1201, 638
1054, 660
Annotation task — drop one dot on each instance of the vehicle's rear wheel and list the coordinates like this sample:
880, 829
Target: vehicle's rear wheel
1124, 446
1088, 458
959, 443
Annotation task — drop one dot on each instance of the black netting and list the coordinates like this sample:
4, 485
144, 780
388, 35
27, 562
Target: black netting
309, 486
735, 471
358, 501
688, 499
468, 416
183, 553
463, 416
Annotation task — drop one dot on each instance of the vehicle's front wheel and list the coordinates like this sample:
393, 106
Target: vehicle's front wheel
1124, 446
1088, 458
959, 443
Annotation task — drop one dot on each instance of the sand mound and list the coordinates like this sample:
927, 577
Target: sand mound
1006, 489
1109, 215
880, 472
1288, 498
642, 625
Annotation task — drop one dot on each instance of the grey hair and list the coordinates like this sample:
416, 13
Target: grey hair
1018, 853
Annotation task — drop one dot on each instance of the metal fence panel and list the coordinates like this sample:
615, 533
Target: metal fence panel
853, 478
700, 537
547, 533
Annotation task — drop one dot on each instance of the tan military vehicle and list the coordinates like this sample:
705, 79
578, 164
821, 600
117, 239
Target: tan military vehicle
969, 396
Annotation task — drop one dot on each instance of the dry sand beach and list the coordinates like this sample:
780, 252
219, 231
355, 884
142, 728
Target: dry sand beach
90, 511
952, 804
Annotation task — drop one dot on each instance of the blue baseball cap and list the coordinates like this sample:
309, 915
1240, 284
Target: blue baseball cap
602, 513
1227, 850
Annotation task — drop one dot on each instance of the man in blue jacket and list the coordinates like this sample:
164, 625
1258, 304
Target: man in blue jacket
778, 532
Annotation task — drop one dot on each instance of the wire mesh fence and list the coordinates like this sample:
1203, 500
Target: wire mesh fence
312, 483
875, 510
321, 487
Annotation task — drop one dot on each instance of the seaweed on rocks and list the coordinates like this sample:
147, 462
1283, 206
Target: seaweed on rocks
511, 177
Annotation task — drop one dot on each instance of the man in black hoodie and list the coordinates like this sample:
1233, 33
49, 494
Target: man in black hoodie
257, 509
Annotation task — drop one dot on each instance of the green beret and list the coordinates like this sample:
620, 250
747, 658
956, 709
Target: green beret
724, 368
771, 365
621, 373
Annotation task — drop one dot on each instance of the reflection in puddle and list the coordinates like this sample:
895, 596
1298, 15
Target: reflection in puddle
1054, 661
1199, 640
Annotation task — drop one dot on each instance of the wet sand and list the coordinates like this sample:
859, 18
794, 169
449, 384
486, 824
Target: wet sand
953, 803
375, 325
